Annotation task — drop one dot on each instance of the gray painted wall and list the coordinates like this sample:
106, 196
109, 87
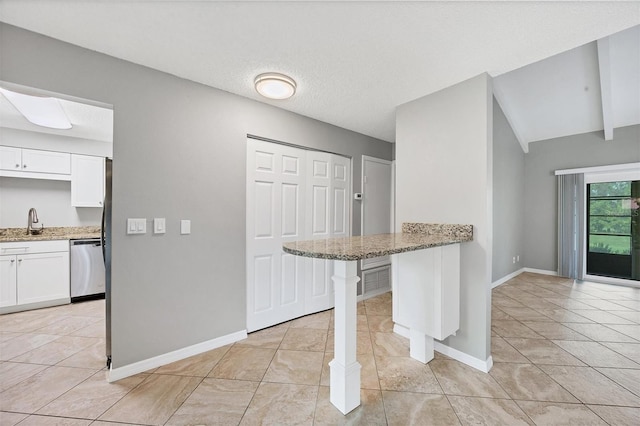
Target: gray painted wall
180, 153
508, 197
443, 175
543, 159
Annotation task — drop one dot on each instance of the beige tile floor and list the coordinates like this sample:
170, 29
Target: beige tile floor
563, 353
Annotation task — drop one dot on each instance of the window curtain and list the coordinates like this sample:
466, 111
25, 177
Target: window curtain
571, 225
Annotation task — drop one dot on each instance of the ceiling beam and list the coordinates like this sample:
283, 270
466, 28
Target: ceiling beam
604, 65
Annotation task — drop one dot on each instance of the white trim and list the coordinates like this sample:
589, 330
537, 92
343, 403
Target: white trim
597, 169
540, 271
401, 330
35, 175
35, 305
611, 280
119, 373
506, 278
464, 358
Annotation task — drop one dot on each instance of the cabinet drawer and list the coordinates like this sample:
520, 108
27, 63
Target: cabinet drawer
27, 247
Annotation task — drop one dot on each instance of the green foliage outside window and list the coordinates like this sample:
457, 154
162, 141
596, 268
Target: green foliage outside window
610, 212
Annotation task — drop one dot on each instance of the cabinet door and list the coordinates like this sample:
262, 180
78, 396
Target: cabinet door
42, 276
7, 281
10, 158
37, 161
87, 181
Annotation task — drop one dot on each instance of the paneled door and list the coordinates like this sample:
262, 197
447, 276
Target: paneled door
292, 194
328, 178
276, 184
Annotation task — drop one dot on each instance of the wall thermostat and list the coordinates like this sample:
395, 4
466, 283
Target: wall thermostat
357, 196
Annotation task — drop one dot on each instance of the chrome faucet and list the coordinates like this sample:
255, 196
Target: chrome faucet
33, 218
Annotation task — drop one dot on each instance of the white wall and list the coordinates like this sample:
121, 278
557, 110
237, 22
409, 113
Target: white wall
51, 198
508, 198
444, 175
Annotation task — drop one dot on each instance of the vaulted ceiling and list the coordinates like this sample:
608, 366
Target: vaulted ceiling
355, 62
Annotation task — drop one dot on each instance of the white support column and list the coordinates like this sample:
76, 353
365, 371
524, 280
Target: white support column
420, 346
344, 390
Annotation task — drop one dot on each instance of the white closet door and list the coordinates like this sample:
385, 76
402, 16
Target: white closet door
275, 214
327, 212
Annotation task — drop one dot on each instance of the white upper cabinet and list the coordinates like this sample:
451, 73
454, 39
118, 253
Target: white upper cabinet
37, 161
34, 163
87, 181
10, 158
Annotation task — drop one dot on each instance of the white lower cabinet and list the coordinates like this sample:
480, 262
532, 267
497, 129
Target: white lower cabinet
8, 268
34, 273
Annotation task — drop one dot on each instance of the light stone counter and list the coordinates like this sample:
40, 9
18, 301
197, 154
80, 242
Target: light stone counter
49, 234
414, 237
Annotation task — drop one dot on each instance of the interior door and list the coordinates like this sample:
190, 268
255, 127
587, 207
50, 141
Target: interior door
376, 202
275, 214
328, 216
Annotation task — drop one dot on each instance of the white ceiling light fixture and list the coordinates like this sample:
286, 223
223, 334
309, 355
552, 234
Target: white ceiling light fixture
41, 111
275, 86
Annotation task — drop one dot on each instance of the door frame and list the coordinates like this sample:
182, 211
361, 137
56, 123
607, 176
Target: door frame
385, 260
604, 174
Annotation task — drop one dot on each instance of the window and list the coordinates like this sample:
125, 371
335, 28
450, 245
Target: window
612, 224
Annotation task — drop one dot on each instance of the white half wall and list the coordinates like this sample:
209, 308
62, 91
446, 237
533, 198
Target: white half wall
444, 175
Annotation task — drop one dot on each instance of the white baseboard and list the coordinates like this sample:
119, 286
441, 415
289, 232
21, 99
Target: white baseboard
401, 330
464, 358
36, 305
541, 271
119, 373
507, 278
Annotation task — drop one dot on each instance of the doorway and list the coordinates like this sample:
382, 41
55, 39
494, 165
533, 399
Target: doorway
377, 218
612, 227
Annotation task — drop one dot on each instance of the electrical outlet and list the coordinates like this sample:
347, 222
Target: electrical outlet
514, 259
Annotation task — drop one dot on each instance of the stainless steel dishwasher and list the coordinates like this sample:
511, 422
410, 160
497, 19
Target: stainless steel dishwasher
87, 270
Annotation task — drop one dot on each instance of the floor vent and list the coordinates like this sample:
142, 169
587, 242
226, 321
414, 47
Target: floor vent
376, 281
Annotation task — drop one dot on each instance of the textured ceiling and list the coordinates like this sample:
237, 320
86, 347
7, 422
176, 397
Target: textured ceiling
354, 62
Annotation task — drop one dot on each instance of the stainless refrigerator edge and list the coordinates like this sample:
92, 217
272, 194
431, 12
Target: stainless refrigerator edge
106, 251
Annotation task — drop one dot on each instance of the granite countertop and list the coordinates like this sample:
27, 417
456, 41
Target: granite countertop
48, 234
414, 237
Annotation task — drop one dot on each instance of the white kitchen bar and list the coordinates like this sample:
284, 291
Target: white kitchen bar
426, 262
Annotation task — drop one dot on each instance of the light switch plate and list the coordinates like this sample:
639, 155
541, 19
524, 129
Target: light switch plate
136, 226
159, 225
185, 226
